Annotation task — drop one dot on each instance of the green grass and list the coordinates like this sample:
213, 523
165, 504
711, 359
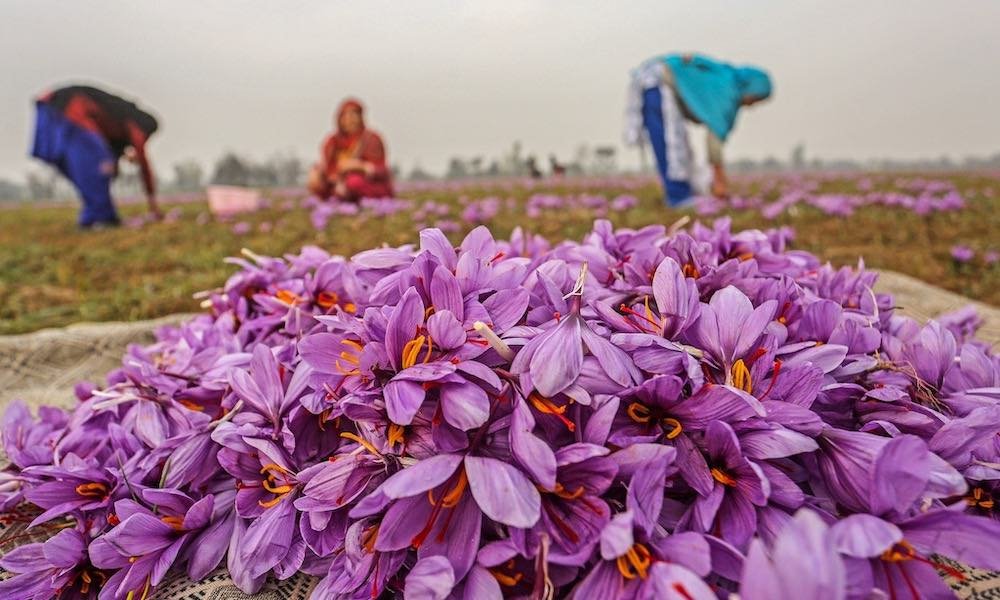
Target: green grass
52, 275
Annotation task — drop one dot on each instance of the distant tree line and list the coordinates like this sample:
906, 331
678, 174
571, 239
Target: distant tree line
287, 170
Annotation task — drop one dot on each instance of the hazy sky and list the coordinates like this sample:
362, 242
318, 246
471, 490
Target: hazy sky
906, 78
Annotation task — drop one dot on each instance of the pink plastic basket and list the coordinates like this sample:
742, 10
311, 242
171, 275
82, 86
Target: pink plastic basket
228, 200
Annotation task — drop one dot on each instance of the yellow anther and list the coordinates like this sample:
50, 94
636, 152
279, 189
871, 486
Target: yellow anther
675, 427
723, 477
635, 562
639, 413
365, 443
741, 376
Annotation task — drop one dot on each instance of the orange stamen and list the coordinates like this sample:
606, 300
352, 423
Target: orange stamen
562, 493
188, 404
723, 477
506, 580
288, 297
546, 406
365, 443
639, 413
174, 521
635, 562
675, 427
327, 300
411, 350
273, 471
395, 434
92, 490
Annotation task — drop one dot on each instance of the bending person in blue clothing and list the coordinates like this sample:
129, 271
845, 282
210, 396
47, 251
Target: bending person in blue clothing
83, 132
667, 90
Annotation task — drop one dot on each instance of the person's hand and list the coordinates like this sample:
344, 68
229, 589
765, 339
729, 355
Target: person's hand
154, 210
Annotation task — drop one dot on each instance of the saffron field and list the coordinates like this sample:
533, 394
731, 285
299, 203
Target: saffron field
939, 228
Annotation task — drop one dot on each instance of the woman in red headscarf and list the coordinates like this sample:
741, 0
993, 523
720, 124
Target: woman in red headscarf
352, 165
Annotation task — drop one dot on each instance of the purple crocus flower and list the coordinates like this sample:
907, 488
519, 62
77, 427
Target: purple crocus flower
804, 546
75, 485
573, 513
962, 254
738, 487
551, 361
874, 474
58, 567
144, 545
729, 327
630, 568
899, 558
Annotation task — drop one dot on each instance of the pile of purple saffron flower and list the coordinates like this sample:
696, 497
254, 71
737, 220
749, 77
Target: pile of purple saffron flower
643, 414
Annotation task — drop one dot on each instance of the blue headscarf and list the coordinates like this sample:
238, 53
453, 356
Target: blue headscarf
713, 91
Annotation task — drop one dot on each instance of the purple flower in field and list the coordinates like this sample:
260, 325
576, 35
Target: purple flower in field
962, 254
624, 202
729, 327
446, 421
358, 569
27, 442
991, 257
447, 225
173, 215
241, 228
573, 513
658, 411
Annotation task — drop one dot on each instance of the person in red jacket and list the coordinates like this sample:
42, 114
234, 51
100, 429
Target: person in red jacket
83, 132
352, 164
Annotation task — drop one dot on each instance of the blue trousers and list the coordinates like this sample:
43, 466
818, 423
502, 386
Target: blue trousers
83, 156
675, 190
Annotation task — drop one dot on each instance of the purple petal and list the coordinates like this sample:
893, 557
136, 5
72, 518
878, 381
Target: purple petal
465, 406
864, 536
968, 539
445, 330
502, 492
432, 578
775, 443
424, 475
674, 582
533, 454
617, 536
402, 400
900, 474
406, 318
558, 358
